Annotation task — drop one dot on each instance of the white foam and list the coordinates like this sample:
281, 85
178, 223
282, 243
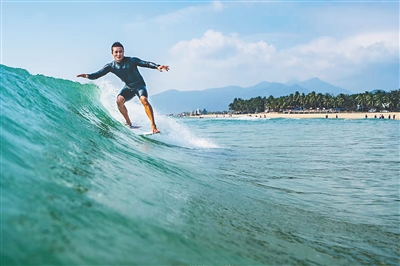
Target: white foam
248, 118
173, 132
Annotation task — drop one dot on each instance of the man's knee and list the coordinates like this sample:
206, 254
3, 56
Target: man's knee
144, 101
120, 100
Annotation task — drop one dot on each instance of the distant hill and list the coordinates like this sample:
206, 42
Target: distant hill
375, 91
218, 99
319, 86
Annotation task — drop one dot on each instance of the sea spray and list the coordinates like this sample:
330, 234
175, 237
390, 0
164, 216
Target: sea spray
173, 131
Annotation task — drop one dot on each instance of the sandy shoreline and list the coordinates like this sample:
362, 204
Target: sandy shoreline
358, 115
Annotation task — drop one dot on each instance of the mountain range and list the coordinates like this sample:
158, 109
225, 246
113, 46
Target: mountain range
218, 99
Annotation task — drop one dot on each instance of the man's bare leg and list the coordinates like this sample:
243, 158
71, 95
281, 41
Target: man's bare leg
123, 110
149, 112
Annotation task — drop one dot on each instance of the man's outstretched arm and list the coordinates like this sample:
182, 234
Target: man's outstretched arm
97, 74
149, 64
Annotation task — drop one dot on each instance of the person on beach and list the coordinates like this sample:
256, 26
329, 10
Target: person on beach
126, 69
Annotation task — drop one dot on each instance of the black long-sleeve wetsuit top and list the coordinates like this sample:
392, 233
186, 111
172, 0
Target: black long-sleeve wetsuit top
126, 70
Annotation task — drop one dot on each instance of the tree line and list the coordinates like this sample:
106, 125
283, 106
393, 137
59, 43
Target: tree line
379, 100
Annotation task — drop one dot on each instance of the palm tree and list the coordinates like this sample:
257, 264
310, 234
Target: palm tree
394, 99
340, 99
302, 100
270, 102
296, 99
311, 99
327, 100
378, 98
319, 99
369, 100
361, 100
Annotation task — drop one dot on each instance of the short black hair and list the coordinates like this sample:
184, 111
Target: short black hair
116, 44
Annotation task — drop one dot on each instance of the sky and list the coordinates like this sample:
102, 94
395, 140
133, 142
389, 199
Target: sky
209, 44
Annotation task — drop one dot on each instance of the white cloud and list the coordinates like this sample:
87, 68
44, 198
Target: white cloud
333, 59
214, 46
216, 59
362, 48
186, 13
218, 5
177, 16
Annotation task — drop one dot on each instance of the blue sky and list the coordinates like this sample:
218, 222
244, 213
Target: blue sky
209, 44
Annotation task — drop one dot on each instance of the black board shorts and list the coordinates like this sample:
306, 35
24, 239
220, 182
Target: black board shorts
128, 93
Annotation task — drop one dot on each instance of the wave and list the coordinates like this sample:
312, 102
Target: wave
40, 111
67, 161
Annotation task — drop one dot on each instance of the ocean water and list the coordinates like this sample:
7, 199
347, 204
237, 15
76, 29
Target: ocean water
79, 188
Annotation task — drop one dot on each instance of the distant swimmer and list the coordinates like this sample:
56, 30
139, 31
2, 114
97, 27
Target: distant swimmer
126, 69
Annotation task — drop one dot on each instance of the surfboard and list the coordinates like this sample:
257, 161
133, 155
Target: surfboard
148, 133
135, 127
137, 130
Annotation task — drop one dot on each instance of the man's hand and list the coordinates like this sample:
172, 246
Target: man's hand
160, 68
82, 76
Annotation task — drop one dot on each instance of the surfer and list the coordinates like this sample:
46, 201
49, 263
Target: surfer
126, 69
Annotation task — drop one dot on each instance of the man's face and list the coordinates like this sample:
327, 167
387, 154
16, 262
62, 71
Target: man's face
118, 54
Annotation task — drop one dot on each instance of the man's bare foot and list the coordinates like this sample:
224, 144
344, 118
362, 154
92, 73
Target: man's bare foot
155, 130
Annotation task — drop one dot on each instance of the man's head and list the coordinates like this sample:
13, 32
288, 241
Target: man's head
117, 50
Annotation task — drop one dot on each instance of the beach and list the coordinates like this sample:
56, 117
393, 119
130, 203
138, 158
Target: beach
297, 115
